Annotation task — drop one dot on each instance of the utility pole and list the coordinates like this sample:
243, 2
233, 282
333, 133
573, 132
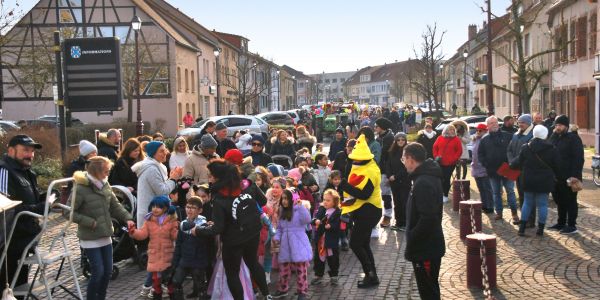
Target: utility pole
490, 81
62, 133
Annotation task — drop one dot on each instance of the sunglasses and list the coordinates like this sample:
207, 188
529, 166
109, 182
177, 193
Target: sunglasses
480, 130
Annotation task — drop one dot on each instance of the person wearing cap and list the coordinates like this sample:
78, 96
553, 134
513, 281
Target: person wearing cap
246, 168
87, 150
196, 164
509, 124
18, 182
259, 157
338, 144
224, 143
521, 137
549, 122
385, 137
570, 167
108, 144
538, 161
479, 172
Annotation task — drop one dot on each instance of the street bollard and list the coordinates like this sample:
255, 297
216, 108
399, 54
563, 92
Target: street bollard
461, 191
474, 260
467, 216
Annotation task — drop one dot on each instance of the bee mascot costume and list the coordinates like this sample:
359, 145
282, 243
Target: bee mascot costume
362, 202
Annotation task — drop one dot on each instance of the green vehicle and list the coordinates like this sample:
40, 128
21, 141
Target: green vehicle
330, 123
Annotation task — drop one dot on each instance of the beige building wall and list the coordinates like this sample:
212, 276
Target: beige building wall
186, 85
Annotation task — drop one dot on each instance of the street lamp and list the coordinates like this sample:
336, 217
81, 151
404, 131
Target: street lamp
387, 87
465, 55
216, 52
443, 86
278, 89
306, 90
294, 94
136, 25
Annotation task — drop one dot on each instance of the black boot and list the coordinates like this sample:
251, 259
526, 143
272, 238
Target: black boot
178, 294
540, 230
522, 226
370, 279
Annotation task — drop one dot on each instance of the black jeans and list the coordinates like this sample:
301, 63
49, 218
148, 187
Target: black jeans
197, 277
461, 168
447, 178
427, 273
365, 219
333, 262
400, 193
232, 258
566, 202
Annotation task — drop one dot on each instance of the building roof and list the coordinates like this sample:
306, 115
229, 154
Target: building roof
293, 72
166, 26
234, 40
355, 79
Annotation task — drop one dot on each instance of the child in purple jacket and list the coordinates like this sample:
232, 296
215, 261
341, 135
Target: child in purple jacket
295, 251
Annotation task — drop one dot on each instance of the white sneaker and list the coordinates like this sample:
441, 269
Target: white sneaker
268, 276
146, 290
375, 233
445, 199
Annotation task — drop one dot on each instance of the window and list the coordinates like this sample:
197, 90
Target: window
593, 27
526, 45
187, 84
334, 80
564, 42
582, 37
193, 82
572, 39
178, 79
326, 80
342, 79
240, 122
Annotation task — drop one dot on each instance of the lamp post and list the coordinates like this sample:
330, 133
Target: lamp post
306, 90
136, 25
216, 52
294, 93
443, 86
465, 55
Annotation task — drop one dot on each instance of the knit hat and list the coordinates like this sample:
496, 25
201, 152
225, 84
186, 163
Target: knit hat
276, 170
340, 130
562, 119
152, 147
234, 156
526, 118
383, 123
400, 135
86, 147
361, 150
540, 132
207, 141
221, 126
258, 138
295, 173
162, 201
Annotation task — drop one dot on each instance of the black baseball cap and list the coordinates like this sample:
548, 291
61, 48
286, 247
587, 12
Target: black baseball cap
25, 140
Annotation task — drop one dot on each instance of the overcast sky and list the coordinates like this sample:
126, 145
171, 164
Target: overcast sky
335, 35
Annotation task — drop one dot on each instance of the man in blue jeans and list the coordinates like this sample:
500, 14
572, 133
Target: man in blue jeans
492, 154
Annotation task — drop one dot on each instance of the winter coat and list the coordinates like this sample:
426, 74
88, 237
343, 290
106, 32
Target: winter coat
375, 148
121, 173
395, 119
306, 140
539, 161
464, 139
492, 151
341, 163
332, 235
321, 174
196, 166
224, 145
449, 149
477, 169
427, 142
190, 250
396, 168
244, 143
93, 205
386, 139
286, 148
260, 158
570, 150
294, 244
335, 147
424, 210
152, 181
106, 148
512, 129
76, 165
516, 143
160, 246
178, 159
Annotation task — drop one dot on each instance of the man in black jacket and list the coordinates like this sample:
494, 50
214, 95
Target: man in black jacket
385, 137
225, 144
570, 150
108, 145
19, 183
425, 244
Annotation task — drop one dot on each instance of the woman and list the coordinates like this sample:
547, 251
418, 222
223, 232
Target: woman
427, 138
462, 132
447, 150
479, 172
338, 144
87, 150
399, 182
94, 207
282, 145
304, 139
122, 174
237, 242
181, 153
539, 163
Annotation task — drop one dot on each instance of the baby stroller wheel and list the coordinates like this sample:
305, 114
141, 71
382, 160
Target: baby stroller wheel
115, 273
143, 260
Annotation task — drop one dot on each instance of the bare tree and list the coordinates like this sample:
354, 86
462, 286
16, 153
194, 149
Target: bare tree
250, 79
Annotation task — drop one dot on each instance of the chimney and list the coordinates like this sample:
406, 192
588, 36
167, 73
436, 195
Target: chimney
472, 31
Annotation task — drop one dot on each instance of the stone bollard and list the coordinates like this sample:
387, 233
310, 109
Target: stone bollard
474, 273
460, 187
465, 217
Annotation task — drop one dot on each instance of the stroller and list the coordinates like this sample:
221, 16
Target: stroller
283, 160
124, 247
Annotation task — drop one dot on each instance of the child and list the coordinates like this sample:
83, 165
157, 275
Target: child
319, 148
261, 178
203, 192
294, 248
321, 172
271, 209
161, 227
334, 183
190, 252
327, 221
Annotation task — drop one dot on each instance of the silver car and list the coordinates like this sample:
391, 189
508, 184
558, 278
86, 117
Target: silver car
233, 123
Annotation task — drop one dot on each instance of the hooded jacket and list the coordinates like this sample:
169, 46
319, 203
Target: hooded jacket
106, 148
94, 205
449, 149
539, 161
517, 141
427, 142
196, 166
287, 148
465, 138
152, 181
424, 210
306, 140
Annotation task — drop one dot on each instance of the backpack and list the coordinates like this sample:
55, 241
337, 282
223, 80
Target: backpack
245, 214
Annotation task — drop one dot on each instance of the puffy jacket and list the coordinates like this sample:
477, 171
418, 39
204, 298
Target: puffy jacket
492, 151
449, 149
465, 138
152, 181
121, 173
321, 174
77, 164
93, 205
517, 141
196, 166
286, 148
294, 244
244, 143
106, 148
539, 162
190, 250
306, 140
160, 247
427, 142
570, 150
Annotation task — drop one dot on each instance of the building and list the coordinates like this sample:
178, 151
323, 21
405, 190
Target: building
303, 85
330, 86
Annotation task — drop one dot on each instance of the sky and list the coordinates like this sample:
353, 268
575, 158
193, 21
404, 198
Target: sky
315, 36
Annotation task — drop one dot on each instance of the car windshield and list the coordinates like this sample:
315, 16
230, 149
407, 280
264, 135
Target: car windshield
199, 124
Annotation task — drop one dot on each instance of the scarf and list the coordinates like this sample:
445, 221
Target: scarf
160, 219
98, 183
429, 135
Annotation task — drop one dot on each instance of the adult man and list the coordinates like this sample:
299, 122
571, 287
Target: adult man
479, 172
188, 119
395, 119
570, 150
18, 182
259, 157
225, 143
196, 164
509, 124
538, 119
425, 244
492, 155
523, 135
385, 137
108, 145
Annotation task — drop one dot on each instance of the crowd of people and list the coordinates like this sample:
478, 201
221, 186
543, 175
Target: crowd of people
219, 207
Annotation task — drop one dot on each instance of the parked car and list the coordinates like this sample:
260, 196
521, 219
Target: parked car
279, 119
472, 131
295, 115
52, 118
468, 119
8, 126
233, 123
